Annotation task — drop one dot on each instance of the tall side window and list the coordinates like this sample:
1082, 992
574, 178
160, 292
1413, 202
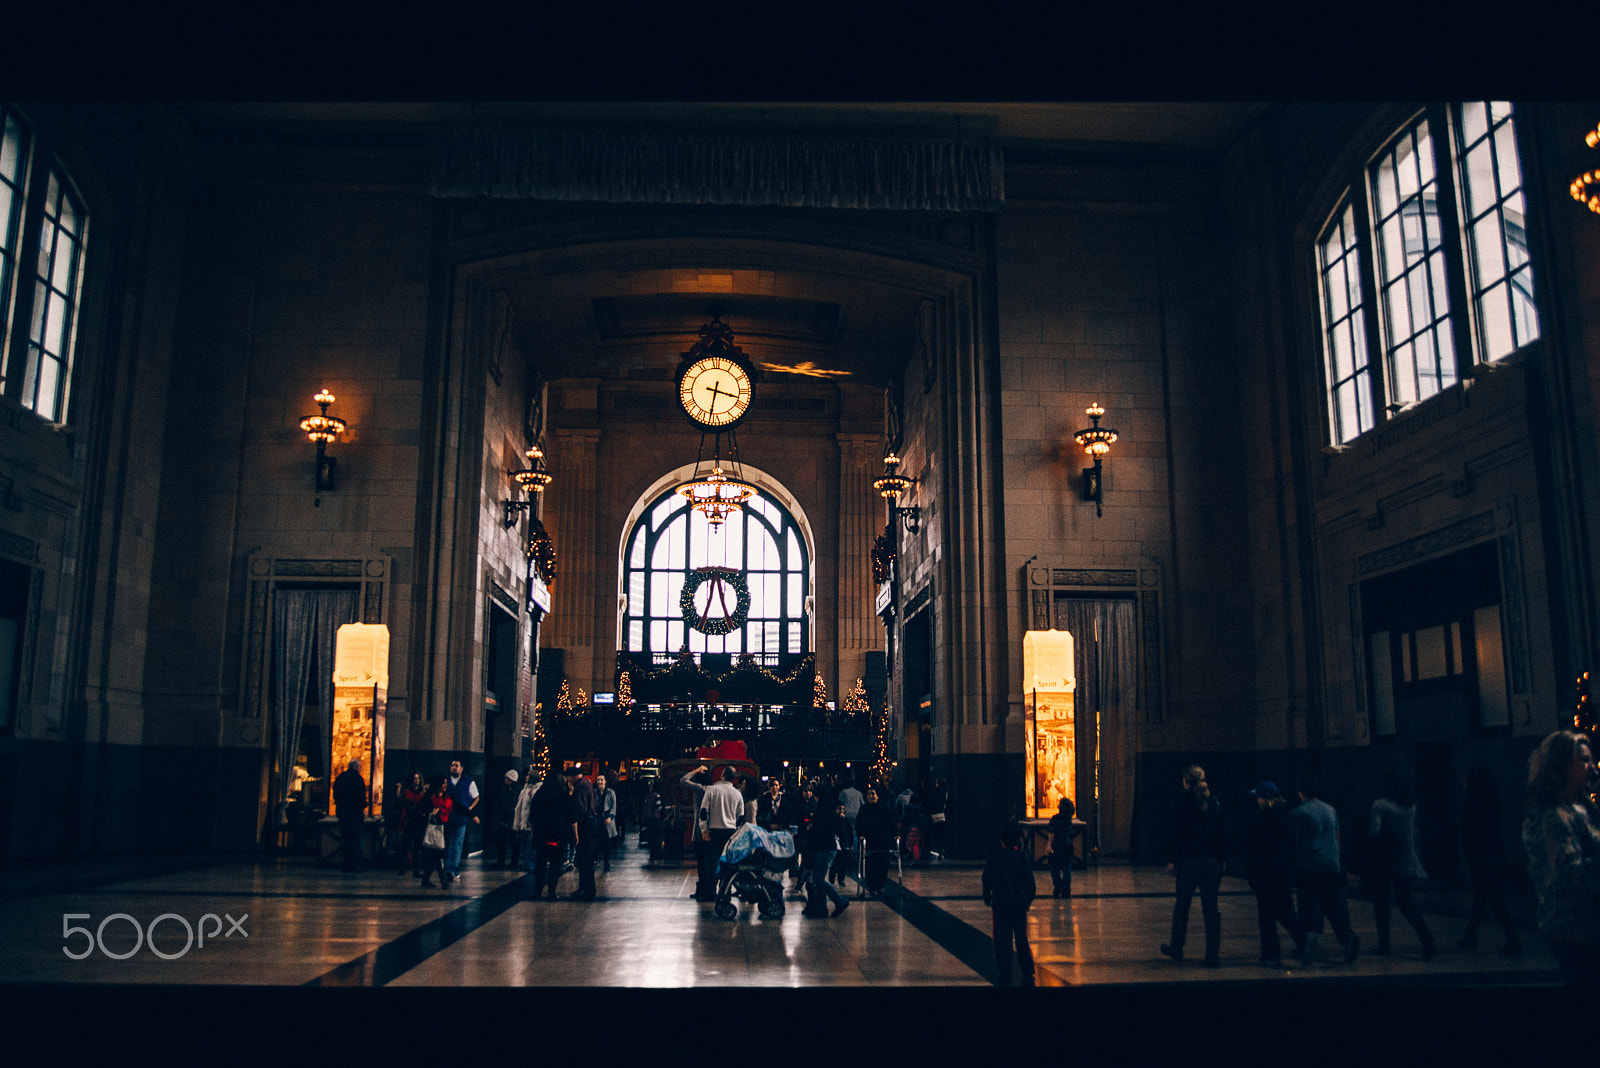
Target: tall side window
1411, 268
1432, 224
1344, 328
1500, 276
41, 269
13, 169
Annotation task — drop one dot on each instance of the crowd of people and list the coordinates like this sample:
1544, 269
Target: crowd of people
834, 824
1299, 874
1294, 860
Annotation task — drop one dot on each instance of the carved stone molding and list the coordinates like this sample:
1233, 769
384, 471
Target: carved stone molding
15, 546
1433, 543
369, 574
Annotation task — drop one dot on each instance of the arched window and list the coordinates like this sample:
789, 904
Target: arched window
762, 542
1424, 266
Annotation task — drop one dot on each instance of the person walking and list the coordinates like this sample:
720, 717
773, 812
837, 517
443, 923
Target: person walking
350, 802
722, 809
1562, 840
1392, 833
505, 813
1009, 890
938, 817
552, 826
1062, 831
438, 803
411, 797
587, 806
521, 825
705, 888
853, 800
1195, 856
822, 842
609, 832
1319, 874
1269, 868
1483, 848
875, 829
463, 803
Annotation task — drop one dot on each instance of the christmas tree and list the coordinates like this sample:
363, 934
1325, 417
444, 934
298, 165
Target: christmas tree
856, 700
625, 694
819, 693
541, 743
882, 769
582, 700
564, 698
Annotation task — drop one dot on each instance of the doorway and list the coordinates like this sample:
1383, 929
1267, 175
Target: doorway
1106, 664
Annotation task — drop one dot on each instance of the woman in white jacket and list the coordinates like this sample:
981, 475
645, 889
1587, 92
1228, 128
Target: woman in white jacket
1392, 833
519, 817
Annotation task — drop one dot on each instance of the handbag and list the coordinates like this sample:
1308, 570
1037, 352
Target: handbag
433, 837
611, 827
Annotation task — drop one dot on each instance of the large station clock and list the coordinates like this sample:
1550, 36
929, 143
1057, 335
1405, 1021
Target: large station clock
714, 392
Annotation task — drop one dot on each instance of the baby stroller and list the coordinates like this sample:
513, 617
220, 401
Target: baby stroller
743, 871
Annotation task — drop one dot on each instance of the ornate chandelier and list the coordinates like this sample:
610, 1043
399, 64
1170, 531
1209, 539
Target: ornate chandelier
716, 496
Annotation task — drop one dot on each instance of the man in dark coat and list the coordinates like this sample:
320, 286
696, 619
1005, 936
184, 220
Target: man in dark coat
875, 826
1269, 866
587, 806
350, 803
1008, 889
552, 825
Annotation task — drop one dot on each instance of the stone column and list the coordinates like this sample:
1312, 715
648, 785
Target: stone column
861, 514
570, 516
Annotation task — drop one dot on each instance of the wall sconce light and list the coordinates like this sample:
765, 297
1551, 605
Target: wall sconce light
532, 480
891, 485
1585, 188
322, 429
1096, 441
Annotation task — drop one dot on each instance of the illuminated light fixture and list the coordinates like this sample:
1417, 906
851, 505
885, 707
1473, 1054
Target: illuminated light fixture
716, 496
891, 484
532, 480
1096, 441
1585, 188
322, 429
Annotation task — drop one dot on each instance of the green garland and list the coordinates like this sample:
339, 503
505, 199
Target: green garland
727, 624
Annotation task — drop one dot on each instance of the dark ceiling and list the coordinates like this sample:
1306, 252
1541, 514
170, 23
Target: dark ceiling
795, 326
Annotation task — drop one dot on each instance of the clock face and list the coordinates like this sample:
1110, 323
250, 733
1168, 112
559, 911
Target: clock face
715, 392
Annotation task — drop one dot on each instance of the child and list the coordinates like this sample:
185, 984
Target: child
1061, 834
1008, 889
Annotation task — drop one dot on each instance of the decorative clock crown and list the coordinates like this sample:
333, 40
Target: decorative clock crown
716, 339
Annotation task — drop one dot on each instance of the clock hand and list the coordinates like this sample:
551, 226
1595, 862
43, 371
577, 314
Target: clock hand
715, 393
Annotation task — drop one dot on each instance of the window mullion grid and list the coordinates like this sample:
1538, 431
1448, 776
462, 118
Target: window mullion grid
16, 340
1372, 332
1451, 236
13, 227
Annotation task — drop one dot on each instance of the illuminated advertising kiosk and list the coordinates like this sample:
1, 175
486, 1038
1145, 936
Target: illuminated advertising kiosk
360, 697
1048, 693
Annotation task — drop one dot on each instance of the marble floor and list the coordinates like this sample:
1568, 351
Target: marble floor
283, 922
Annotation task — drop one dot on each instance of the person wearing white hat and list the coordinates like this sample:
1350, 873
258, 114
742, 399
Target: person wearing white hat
505, 813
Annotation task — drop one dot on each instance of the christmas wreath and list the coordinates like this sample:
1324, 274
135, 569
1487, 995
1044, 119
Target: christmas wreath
722, 578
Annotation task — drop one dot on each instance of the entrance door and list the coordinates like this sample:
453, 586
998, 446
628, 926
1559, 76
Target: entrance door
1105, 653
